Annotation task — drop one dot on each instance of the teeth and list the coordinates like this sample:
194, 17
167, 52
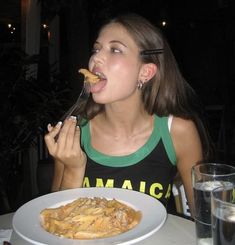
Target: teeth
100, 75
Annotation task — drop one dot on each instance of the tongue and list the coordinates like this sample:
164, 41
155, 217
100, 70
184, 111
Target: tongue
98, 86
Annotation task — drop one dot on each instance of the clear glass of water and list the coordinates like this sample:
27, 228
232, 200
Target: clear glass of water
223, 215
205, 178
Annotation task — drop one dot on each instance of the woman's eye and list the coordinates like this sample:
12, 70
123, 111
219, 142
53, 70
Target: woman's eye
115, 50
94, 50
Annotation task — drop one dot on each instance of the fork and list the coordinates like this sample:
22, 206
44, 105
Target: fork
83, 96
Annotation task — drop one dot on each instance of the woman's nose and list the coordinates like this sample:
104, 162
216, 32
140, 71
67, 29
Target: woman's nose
99, 57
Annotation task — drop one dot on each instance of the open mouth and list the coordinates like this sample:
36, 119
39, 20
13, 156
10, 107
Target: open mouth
100, 75
93, 81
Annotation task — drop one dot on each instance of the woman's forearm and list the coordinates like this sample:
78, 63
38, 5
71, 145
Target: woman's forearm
72, 177
58, 175
67, 177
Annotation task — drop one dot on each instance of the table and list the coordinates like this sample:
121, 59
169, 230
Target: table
175, 231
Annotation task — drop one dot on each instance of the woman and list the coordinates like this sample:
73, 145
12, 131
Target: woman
139, 126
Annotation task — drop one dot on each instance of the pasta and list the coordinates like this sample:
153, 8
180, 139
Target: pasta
90, 218
89, 77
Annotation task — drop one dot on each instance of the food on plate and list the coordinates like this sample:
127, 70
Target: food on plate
90, 218
89, 77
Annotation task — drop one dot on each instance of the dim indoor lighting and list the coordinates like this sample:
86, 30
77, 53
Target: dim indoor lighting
9, 25
163, 23
44, 26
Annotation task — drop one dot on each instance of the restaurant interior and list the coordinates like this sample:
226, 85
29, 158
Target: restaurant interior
44, 42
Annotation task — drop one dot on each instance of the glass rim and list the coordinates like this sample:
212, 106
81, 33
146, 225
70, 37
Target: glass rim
194, 167
218, 199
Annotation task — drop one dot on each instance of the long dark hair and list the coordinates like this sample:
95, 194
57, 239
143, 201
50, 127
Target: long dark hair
168, 93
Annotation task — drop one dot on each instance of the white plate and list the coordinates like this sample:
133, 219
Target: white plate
26, 220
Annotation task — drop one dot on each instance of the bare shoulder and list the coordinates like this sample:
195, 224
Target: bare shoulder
185, 136
182, 126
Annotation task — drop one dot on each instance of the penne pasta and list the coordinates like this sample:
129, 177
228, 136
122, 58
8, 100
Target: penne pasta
89, 218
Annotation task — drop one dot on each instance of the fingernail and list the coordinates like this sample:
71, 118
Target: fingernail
73, 118
58, 124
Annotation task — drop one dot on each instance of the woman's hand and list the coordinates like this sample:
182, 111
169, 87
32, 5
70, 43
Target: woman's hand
63, 143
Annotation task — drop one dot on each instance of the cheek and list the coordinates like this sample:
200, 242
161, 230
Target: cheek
122, 86
125, 73
119, 87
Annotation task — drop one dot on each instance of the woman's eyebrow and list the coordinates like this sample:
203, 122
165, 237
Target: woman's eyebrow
116, 41
113, 41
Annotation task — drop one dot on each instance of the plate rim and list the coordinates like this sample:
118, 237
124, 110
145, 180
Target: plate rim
89, 192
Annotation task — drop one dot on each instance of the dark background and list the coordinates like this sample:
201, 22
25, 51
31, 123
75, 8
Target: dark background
200, 32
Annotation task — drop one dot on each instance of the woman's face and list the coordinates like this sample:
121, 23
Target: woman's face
116, 58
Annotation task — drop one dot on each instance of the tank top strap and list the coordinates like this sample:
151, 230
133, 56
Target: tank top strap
166, 138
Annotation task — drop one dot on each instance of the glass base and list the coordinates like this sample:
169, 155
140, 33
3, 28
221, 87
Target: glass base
205, 241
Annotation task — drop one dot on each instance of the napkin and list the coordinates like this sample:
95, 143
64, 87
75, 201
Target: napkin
5, 235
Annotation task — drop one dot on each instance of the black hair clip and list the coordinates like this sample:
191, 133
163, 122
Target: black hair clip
151, 51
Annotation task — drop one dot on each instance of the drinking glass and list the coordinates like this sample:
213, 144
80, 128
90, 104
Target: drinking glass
205, 178
223, 215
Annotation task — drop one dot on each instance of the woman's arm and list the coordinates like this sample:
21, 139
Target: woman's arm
188, 149
63, 143
73, 177
58, 175
67, 178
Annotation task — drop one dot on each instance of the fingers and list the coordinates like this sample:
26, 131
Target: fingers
76, 144
64, 141
68, 131
53, 131
50, 137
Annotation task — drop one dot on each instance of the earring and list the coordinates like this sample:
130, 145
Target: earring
140, 85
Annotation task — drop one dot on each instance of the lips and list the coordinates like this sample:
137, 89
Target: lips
95, 88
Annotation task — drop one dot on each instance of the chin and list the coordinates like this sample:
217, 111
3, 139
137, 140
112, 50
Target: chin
100, 99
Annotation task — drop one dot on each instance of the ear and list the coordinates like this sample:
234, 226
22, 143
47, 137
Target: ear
147, 72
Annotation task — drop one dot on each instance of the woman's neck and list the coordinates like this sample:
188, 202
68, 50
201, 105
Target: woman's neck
125, 122
119, 133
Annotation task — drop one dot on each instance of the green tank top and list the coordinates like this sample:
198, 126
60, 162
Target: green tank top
150, 169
